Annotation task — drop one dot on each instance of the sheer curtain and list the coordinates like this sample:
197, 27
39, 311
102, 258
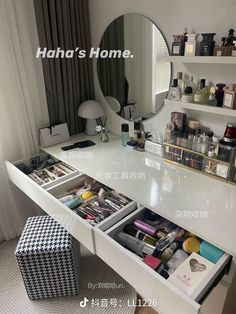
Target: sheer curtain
23, 107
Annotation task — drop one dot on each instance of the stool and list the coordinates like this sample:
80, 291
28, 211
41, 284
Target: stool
48, 259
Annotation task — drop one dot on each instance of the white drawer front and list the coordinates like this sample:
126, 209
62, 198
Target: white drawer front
47, 200
76, 226
147, 282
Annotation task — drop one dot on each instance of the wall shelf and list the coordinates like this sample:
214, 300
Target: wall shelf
202, 108
198, 59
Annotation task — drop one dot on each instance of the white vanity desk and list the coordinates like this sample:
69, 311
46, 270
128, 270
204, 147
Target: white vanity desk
202, 205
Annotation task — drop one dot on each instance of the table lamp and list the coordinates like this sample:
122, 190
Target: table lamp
90, 110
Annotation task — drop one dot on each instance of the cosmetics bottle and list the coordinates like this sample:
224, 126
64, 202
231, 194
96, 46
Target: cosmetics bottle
181, 82
176, 260
73, 203
192, 84
141, 141
207, 44
177, 46
212, 99
168, 132
190, 141
188, 95
230, 97
168, 253
137, 246
143, 226
204, 144
124, 133
67, 198
192, 45
174, 91
198, 96
195, 142
162, 244
135, 232
136, 130
221, 51
219, 94
199, 144
204, 90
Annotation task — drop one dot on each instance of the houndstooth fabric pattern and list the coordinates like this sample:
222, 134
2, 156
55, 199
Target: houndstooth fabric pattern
46, 258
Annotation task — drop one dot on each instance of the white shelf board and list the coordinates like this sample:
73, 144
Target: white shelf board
202, 108
198, 59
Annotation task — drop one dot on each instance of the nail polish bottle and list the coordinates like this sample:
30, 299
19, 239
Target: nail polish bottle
124, 133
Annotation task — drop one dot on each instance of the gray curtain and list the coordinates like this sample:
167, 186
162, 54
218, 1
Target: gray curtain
68, 81
111, 71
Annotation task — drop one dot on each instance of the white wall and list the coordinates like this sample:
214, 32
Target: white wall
171, 17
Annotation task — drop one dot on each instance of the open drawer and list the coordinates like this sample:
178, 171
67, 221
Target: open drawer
47, 200
159, 293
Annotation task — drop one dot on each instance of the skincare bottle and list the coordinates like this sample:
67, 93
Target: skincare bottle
176, 260
174, 91
124, 133
135, 232
137, 246
168, 133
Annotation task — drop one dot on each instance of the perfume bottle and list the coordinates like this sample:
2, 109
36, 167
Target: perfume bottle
212, 99
188, 95
204, 91
219, 94
198, 96
174, 92
230, 97
192, 45
177, 46
207, 44
181, 82
192, 84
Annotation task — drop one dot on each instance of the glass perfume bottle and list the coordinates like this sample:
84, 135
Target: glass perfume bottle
192, 45
204, 90
188, 95
219, 94
212, 99
174, 91
192, 84
181, 82
207, 44
198, 96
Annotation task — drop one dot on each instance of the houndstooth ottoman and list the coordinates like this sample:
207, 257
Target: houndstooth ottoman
48, 259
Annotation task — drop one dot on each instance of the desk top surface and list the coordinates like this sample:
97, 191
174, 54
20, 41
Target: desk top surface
198, 203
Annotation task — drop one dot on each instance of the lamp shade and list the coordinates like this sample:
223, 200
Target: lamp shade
90, 109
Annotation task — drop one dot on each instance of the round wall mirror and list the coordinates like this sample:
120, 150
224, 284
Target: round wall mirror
135, 87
